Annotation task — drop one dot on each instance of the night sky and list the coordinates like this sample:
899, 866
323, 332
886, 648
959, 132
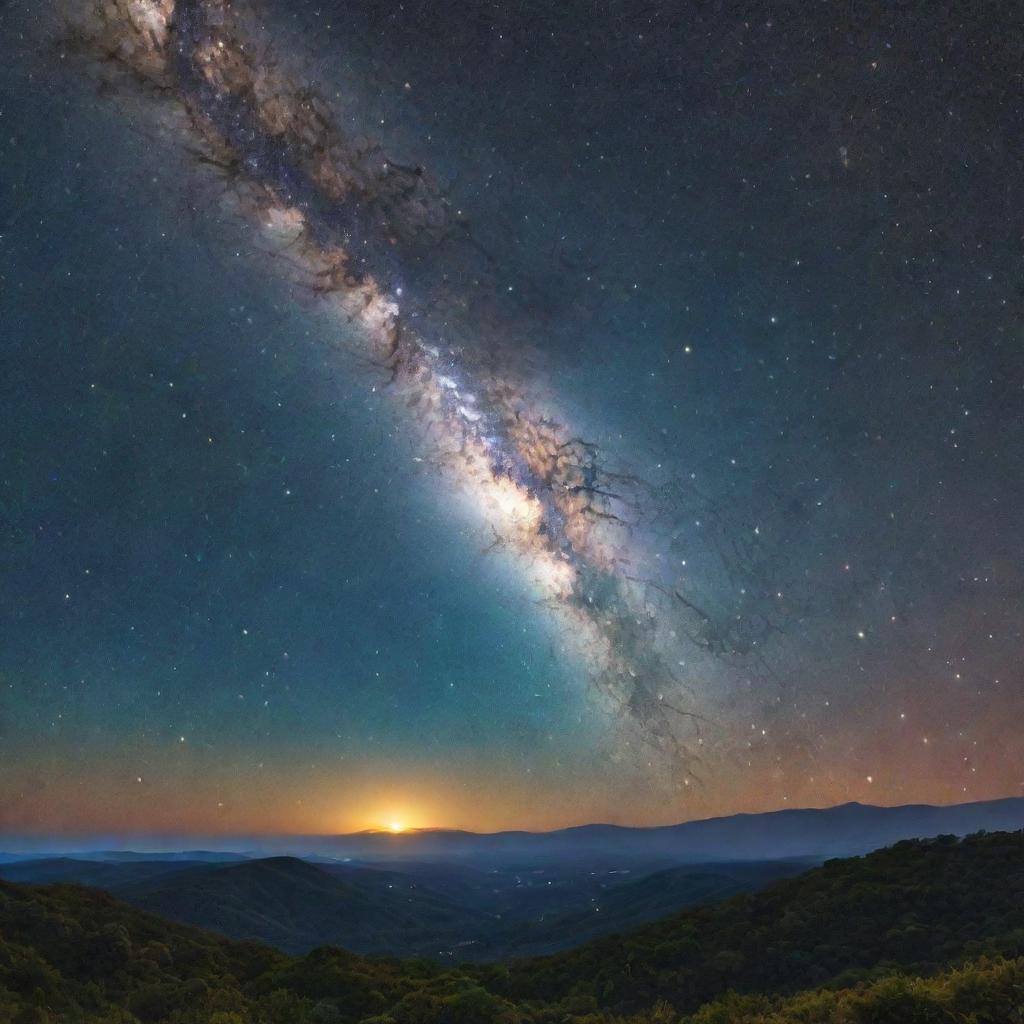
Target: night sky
758, 269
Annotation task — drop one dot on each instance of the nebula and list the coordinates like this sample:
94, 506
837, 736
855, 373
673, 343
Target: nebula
387, 251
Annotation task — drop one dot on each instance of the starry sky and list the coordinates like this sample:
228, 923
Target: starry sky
766, 260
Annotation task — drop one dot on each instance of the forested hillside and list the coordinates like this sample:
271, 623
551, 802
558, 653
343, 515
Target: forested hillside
839, 945
433, 911
918, 904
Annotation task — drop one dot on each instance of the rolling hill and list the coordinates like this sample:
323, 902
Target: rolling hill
296, 906
431, 910
927, 931
102, 874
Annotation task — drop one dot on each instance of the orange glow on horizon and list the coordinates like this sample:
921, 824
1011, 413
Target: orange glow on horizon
204, 791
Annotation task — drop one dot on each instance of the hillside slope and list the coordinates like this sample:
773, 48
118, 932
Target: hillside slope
77, 955
421, 910
630, 904
296, 906
919, 904
101, 874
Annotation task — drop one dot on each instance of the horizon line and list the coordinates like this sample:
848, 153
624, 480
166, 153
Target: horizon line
397, 837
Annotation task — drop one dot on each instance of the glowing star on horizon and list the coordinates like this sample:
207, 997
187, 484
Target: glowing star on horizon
395, 827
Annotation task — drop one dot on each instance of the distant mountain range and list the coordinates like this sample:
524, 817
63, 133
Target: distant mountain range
462, 895
845, 830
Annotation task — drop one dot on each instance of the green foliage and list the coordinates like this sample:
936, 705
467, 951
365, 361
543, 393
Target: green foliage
922, 933
918, 905
986, 992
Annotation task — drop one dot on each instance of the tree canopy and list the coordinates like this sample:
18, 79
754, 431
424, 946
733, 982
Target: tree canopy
925, 931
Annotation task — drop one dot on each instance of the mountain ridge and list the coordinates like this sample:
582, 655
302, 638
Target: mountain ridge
843, 830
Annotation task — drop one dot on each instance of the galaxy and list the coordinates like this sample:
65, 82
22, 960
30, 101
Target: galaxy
506, 417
